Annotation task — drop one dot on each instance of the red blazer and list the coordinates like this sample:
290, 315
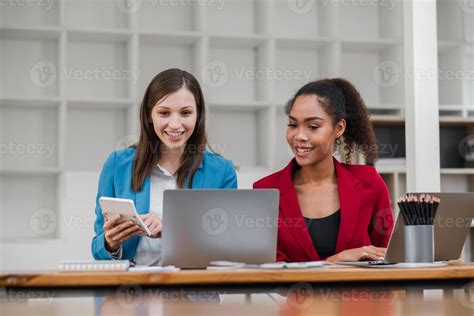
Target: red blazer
366, 212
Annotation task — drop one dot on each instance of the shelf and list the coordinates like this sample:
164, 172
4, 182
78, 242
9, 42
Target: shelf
455, 183
92, 134
30, 102
451, 107
29, 67
236, 41
377, 75
30, 171
109, 36
302, 43
391, 141
92, 103
450, 20
28, 33
450, 73
380, 20
391, 170
235, 106
174, 38
458, 171
468, 86
239, 142
225, 14
95, 14
310, 19
156, 57
368, 46
455, 120
175, 16
40, 14
296, 68
450, 139
28, 137
29, 206
447, 46
98, 68
231, 70
387, 119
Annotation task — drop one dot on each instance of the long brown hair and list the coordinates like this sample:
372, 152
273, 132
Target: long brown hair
148, 148
341, 100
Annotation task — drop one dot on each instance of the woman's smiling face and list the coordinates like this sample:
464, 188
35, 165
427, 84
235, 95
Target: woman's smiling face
311, 133
174, 118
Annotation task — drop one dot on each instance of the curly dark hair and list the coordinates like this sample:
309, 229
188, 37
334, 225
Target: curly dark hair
341, 100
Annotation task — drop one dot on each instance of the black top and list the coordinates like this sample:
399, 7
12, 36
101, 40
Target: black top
323, 232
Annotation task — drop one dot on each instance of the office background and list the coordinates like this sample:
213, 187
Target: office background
73, 73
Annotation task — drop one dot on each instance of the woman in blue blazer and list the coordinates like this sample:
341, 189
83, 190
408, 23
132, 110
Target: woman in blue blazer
169, 154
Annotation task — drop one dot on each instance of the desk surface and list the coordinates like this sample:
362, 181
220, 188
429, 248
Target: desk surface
243, 276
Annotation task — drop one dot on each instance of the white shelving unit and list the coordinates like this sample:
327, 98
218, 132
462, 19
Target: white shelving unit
73, 76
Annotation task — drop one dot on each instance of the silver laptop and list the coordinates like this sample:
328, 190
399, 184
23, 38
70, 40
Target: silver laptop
451, 227
201, 226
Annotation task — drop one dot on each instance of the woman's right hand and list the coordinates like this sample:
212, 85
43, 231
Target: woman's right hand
116, 233
363, 253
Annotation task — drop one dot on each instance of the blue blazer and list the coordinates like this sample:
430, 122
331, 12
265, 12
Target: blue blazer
215, 172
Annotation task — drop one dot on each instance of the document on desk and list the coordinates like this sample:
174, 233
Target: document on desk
229, 265
153, 269
401, 265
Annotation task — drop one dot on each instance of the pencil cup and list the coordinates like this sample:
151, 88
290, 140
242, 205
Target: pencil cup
419, 243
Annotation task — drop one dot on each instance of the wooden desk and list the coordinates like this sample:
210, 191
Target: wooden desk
244, 276
328, 291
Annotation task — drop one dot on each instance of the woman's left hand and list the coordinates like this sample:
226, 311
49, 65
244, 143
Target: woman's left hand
154, 225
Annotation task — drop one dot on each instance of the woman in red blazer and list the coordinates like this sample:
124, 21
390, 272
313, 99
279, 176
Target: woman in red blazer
330, 210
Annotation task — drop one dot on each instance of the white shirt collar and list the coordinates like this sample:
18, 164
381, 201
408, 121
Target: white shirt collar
163, 171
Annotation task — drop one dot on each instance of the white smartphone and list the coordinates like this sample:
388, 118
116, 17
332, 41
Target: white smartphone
124, 207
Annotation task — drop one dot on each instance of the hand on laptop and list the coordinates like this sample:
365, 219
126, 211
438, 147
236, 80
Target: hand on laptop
116, 231
358, 254
154, 225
